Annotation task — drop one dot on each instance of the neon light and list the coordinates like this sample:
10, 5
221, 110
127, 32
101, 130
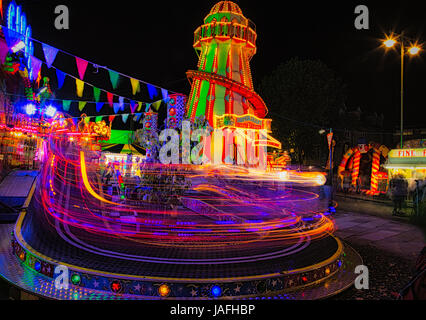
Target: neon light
30, 109
164, 290
216, 291
50, 111
21, 32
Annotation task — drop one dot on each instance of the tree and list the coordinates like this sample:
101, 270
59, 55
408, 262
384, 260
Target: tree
302, 96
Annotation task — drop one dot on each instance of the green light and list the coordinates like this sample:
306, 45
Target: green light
122, 197
75, 279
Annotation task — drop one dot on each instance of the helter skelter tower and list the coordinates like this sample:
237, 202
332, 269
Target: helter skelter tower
223, 84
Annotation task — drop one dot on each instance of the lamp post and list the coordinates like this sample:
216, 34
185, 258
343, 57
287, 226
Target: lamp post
413, 50
329, 183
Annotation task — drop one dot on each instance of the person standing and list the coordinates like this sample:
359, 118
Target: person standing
399, 190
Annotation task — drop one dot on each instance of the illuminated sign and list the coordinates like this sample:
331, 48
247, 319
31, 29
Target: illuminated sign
247, 121
20, 31
408, 153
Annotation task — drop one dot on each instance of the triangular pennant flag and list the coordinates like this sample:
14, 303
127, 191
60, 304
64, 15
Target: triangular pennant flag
61, 78
136, 86
81, 105
166, 100
114, 78
139, 115
135, 118
36, 67
139, 106
98, 119
66, 105
81, 66
99, 106
132, 106
164, 93
50, 54
121, 103
124, 117
12, 37
87, 119
111, 118
147, 107
156, 105
96, 93
110, 98
80, 87
4, 50
116, 107
152, 91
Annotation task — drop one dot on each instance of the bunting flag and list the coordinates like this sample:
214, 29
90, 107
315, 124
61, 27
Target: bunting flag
116, 107
81, 66
156, 105
139, 115
49, 54
164, 93
132, 106
99, 106
61, 78
81, 105
124, 117
36, 67
80, 87
96, 93
147, 107
111, 119
98, 119
110, 98
66, 105
139, 106
152, 91
114, 78
4, 49
87, 119
11, 37
121, 103
136, 85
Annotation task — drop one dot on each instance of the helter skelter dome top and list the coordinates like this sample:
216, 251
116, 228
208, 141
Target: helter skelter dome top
225, 10
226, 6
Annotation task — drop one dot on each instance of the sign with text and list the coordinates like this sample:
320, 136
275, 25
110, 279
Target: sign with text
408, 153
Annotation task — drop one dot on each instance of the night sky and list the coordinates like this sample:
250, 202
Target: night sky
152, 41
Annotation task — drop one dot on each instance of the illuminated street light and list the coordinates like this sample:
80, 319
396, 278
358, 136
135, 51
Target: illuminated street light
389, 43
413, 50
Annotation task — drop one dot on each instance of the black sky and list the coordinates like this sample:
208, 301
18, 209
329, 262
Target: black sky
152, 41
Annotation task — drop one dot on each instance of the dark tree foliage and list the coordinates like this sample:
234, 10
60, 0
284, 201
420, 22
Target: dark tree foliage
302, 96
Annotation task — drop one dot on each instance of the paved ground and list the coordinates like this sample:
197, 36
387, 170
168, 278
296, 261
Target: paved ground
389, 247
396, 237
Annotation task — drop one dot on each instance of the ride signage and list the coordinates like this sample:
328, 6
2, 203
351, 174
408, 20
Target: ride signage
247, 121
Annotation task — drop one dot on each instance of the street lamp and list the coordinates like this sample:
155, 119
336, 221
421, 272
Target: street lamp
413, 49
